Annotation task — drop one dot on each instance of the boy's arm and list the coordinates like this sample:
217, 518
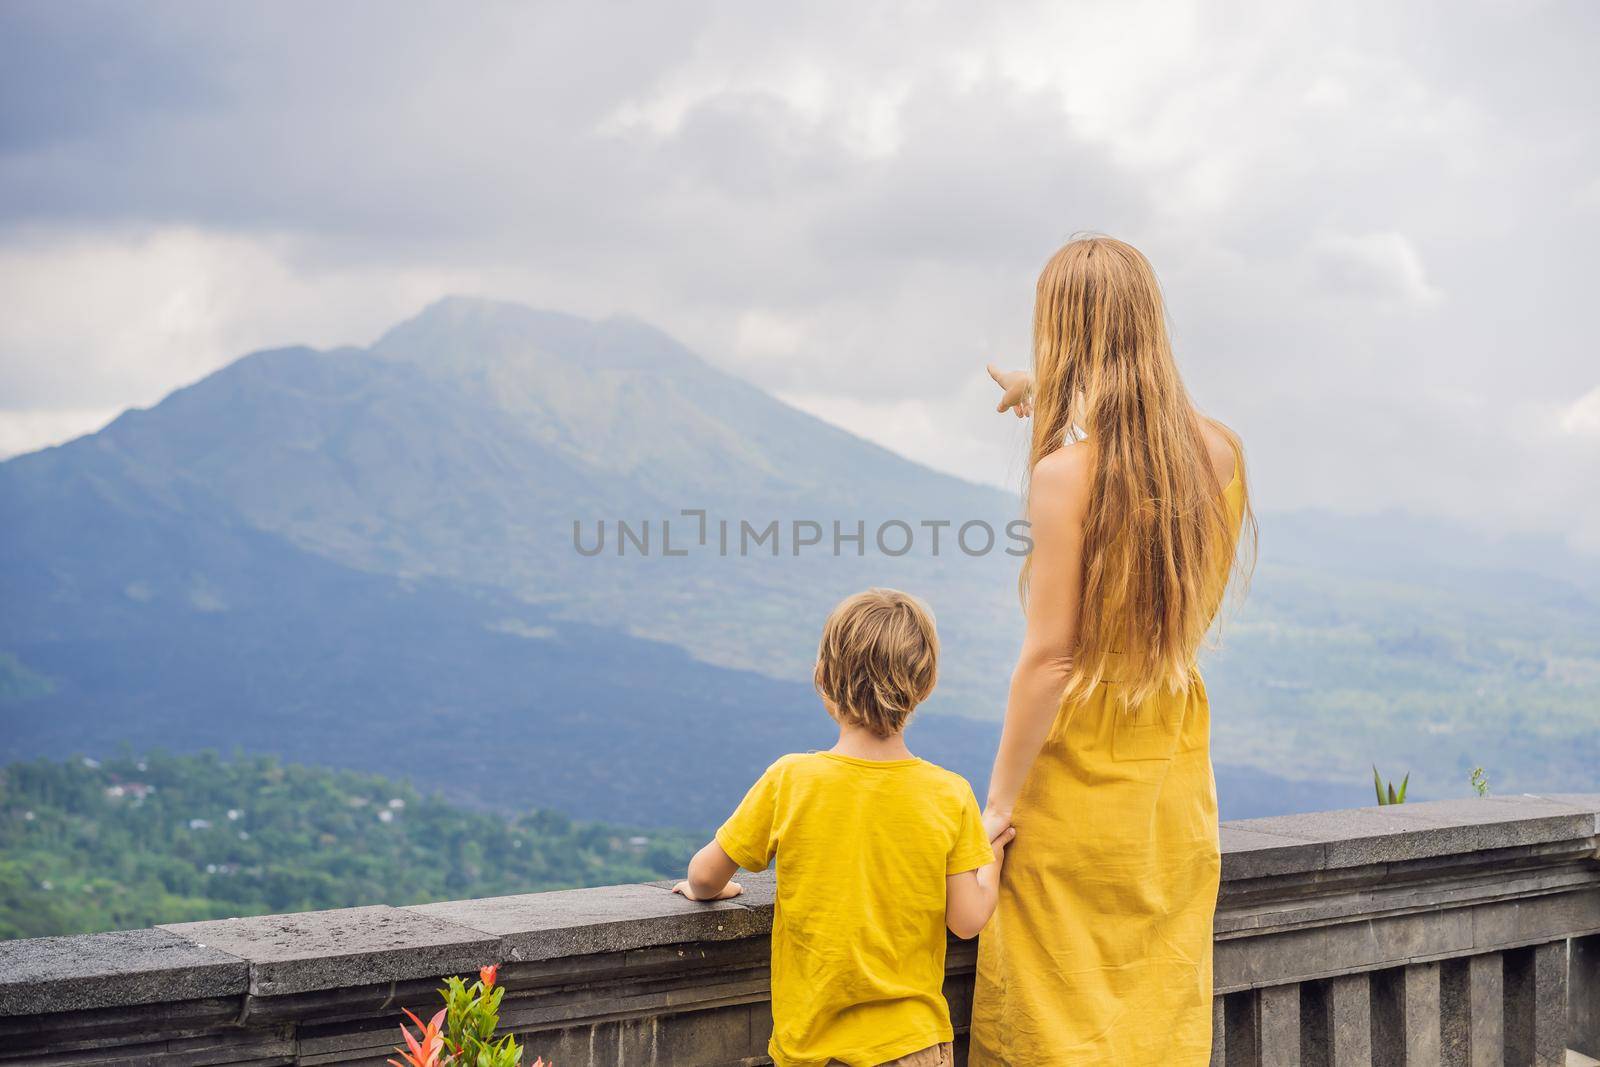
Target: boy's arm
709, 874
748, 834
970, 897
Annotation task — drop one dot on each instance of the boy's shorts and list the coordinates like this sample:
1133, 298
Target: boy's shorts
942, 1055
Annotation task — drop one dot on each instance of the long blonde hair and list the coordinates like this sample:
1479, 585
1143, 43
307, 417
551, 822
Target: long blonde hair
1158, 543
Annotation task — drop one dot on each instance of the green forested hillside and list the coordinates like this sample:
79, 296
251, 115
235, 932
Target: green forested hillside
138, 841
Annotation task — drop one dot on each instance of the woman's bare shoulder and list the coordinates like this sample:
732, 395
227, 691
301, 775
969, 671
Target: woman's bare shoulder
1224, 448
1060, 481
1068, 467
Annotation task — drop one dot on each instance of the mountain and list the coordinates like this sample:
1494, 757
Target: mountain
367, 558
467, 442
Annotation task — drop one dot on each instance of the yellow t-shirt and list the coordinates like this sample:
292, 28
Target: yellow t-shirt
858, 935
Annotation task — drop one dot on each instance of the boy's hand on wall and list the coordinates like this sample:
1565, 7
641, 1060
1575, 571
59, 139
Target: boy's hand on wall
732, 889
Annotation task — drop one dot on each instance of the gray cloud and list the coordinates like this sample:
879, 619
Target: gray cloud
1374, 222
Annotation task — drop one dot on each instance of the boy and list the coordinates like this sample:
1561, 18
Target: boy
877, 853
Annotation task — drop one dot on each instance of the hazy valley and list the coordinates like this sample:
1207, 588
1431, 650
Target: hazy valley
364, 558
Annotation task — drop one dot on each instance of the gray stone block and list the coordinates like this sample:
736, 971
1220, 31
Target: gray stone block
342, 1002
1239, 1030
726, 1035
1550, 1009
1589, 802
1362, 836
1455, 1013
1350, 1021
1425, 934
1249, 853
1486, 1001
1325, 825
254, 1050
1502, 822
343, 1059
105, 970
541, 926
355, 1041
1219, 1033
153, 1049
1388, 1018
563, 1006
349, 947
1422, 1016
1583, 995
1278, 1010
1297, 955
760, 890
1536, 1005
118, 1025
1337, 830
1422, 1027
1523, 921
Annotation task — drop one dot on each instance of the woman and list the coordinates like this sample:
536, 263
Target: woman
1100, 951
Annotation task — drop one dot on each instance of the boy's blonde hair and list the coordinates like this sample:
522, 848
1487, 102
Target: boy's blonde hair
878, 659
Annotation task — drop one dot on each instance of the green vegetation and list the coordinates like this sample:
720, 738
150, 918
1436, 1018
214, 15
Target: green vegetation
1479, 781
1390, 796
138, 841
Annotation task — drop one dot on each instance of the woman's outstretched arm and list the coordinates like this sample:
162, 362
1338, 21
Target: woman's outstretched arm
1057, 498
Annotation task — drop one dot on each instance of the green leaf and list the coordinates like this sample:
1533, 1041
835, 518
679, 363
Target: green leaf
1403, 783
1377, 783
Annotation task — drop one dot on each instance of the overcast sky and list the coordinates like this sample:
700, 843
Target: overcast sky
1376, 223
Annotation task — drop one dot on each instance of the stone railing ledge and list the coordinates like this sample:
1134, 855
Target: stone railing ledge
1361, 837
276, 955
578, 922
1376, 921
306, 951
117, 969
309, 951
1585, 802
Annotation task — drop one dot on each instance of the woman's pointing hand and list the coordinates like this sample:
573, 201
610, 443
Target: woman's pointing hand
1017, 390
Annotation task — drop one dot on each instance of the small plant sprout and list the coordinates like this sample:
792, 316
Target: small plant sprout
1479, 781
1389, 795
462, 1034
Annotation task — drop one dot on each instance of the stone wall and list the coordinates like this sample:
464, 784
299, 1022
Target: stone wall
1456, 932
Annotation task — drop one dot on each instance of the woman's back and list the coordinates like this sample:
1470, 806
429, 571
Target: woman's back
1100, 950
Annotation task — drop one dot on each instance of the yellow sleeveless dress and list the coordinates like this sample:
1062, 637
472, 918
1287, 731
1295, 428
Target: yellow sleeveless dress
1100, 949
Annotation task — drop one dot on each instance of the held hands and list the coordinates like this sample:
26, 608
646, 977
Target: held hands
995, 822
1016, 390
683, 889
1001, 833
971, 896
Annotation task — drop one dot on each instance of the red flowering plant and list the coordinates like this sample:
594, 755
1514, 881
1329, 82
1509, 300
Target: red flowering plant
462, 1033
